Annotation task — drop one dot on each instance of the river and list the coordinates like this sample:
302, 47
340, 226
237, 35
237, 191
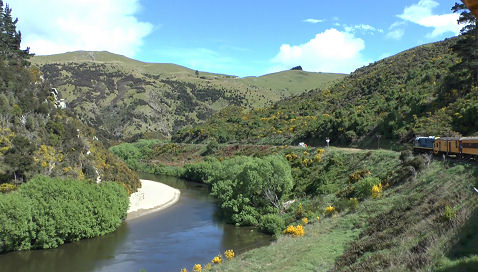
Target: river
182, 235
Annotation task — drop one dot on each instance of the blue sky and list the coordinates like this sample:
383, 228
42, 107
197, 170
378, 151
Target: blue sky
240, 38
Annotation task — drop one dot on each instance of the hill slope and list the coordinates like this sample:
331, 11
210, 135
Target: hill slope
124, 98
414, 92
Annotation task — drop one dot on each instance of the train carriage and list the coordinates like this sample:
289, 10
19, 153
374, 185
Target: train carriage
447, 145
469, 146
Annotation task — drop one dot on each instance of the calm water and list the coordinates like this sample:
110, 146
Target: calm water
180, 236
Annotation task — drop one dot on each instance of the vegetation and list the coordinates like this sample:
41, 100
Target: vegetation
409, 229
48, 212
414, 92
124, 99
38, 136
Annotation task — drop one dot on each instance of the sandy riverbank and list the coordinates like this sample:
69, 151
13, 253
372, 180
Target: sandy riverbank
151, 197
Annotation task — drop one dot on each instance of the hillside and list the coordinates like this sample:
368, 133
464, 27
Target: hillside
123, 98
418, 91
38, 136
421, 216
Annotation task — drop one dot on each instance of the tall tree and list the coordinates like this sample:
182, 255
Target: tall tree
10, 38
467, 47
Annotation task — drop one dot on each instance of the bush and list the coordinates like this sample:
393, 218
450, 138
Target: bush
7, 187
295, 231
46, 212
271, 223
363, 188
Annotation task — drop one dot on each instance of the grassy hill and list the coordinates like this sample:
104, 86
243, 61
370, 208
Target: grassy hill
424, 219
124, 98
415, 92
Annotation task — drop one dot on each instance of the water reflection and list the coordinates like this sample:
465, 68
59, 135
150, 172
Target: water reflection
180, 236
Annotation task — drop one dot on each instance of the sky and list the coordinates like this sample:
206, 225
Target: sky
242, 38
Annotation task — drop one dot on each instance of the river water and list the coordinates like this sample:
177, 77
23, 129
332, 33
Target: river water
182, 235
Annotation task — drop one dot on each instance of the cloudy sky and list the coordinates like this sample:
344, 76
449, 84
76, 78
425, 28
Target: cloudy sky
237, 37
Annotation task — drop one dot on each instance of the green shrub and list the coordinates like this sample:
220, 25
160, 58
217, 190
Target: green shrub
46, 212
449, 214
364, 187
272, 224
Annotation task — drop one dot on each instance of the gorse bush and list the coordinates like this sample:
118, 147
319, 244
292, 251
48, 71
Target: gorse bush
46, 212
364, 187
295, 231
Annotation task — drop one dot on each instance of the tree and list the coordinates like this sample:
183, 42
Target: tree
19, 158
467, 47
47, 156
10, 39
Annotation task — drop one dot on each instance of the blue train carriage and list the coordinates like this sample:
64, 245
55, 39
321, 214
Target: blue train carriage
469, 147
424, 144
448, 146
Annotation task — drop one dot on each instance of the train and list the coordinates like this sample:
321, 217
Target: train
460, 147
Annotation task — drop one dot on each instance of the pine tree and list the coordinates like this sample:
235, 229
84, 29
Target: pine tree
10, 39
467, 49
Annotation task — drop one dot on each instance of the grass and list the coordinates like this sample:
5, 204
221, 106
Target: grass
403, 231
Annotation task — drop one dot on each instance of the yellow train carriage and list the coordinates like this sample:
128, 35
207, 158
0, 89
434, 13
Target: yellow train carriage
469, 146
447, 145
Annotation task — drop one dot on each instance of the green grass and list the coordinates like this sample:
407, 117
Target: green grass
402, 231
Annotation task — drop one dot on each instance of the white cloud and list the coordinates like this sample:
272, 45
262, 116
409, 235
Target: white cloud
421, 14
56, 26
396, 30
312, 21
362, 27
329, 51
395, 34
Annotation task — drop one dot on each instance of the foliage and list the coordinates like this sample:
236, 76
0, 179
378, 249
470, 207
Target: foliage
376, 191
363, 188
197, 268
37, 135
46, 212
217, 259
449, 214
419, 91
125, 100
271, 223
330, 210
7, 187
295, 231
229, 254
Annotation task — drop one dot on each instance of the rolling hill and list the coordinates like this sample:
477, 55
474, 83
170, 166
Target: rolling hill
421, 91
127, 99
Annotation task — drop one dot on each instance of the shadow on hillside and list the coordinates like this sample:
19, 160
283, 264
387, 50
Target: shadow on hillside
462, 266
467, 239
464, 253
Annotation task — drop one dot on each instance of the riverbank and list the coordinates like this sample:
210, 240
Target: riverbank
151, 197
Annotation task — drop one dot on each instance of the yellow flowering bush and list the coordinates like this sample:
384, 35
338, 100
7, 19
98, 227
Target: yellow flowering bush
305, 221
295, 231
197, 268
184, 270
229, 254
329, 210
208, 267
377, 191
7, 187
320, 154
318, 217
217, 259
291, 156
